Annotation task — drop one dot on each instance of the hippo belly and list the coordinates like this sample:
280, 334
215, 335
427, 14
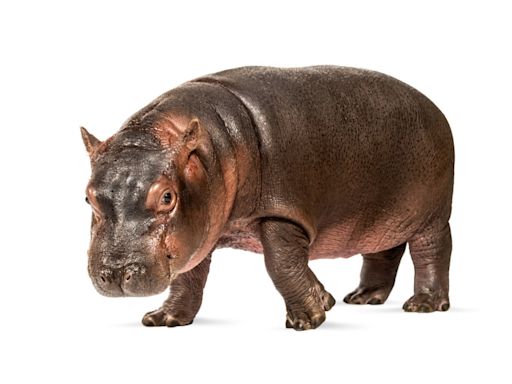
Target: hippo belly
340, 240
350, 238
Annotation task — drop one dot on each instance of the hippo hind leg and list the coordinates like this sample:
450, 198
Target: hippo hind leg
377, 277
430, 251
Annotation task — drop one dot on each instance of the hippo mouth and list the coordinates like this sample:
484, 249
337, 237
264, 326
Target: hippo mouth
135, 279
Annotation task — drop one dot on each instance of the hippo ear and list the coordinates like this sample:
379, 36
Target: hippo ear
91, 143
196, 141
191, 134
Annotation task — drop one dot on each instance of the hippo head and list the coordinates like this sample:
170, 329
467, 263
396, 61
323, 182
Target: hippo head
158, 204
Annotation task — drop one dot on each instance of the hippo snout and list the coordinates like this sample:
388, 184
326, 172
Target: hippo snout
129, 280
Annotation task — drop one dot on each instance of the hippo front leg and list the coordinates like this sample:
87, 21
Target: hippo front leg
184, 301
286, 248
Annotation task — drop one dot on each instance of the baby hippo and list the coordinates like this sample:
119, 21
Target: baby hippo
298, 164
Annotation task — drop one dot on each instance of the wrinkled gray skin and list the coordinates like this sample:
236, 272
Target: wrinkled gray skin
297, 164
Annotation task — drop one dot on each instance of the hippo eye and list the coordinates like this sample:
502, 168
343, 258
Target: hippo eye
167, 201
167, 198
161, 197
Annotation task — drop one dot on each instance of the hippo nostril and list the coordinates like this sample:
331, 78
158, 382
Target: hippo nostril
133, 279
128, 275
107, 281
169, 257
105, 276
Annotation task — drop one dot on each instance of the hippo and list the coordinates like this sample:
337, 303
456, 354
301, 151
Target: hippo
295, 163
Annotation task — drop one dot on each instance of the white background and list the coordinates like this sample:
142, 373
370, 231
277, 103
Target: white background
66, 64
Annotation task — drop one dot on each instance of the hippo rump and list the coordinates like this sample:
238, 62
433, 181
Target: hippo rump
297, 164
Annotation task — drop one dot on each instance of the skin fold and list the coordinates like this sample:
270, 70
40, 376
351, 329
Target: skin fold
297, 164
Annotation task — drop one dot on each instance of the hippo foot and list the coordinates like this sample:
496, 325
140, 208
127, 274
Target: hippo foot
363, 295
302, 321
424, 302
310, 317
160, 318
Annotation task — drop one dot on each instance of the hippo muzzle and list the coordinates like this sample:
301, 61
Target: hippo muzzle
133, 279
118, 270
